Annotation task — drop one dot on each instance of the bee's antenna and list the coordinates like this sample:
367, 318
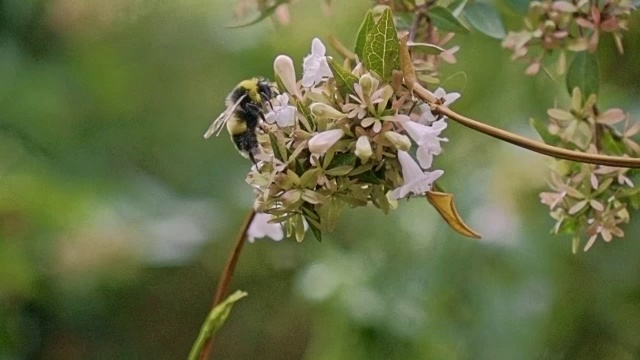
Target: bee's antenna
270, 104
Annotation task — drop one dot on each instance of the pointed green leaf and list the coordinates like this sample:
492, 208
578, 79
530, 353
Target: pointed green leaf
214, 321
315, 228
444, 20
306, 118
344, 78
543, 131
275, 147
365, 28
583, 73
485, 18
310, 178
381, 48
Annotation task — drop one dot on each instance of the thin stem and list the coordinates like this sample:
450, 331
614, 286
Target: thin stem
227, 274
541, 148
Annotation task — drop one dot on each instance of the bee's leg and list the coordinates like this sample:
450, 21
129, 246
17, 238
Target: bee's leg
253, 159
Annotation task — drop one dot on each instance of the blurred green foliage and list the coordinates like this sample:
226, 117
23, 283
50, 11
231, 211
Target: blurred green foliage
116, 216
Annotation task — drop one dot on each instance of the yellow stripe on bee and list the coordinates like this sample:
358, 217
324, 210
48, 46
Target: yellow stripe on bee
236, 126
251, 86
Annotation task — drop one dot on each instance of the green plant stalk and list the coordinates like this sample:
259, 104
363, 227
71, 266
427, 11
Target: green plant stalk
521, 141
225, 279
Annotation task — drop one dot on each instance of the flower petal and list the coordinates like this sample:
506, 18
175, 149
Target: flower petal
321, 142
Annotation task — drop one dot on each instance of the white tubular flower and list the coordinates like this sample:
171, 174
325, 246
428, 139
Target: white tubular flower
320, 143
426, 116
261, 227
315, 66
447, 99
283, 67
283, 114
426, 137
363, 149
416, 182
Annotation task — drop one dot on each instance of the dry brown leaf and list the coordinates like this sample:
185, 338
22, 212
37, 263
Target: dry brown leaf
443, 202
406, 63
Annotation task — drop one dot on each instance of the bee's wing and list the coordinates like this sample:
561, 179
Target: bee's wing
218, 123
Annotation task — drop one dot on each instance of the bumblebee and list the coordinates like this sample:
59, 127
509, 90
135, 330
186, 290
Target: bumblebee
245, 105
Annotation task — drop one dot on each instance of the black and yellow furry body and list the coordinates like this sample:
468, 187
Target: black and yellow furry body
248, 99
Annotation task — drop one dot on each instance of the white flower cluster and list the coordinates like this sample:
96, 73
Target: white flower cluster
326, 148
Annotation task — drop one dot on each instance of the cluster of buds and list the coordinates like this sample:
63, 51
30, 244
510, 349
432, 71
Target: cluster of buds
325, 146
592, 199
565, 25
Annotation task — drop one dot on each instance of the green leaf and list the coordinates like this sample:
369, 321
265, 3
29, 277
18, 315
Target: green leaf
306, 117
339, 170
263, 15
343, 159
457, 7
444, 20
214, 321
543, 131
364, 30
610, 144
344, 78
310, 178
275, 146
379, 199
315, 229
381, 48
485, 18
519, 6
330, 212
370, 177
583, 73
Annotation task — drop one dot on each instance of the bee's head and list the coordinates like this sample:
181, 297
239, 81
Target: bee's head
264, 89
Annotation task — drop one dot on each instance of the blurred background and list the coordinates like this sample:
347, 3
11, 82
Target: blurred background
116, 217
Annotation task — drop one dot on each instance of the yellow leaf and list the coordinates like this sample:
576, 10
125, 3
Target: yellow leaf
443, 202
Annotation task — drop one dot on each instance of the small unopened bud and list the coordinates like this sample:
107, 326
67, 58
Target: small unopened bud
325, 111
320, 143
283, 67
401, 142
363, 149
367, 83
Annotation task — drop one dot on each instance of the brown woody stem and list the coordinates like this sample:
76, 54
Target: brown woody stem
227, 274
521, 141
